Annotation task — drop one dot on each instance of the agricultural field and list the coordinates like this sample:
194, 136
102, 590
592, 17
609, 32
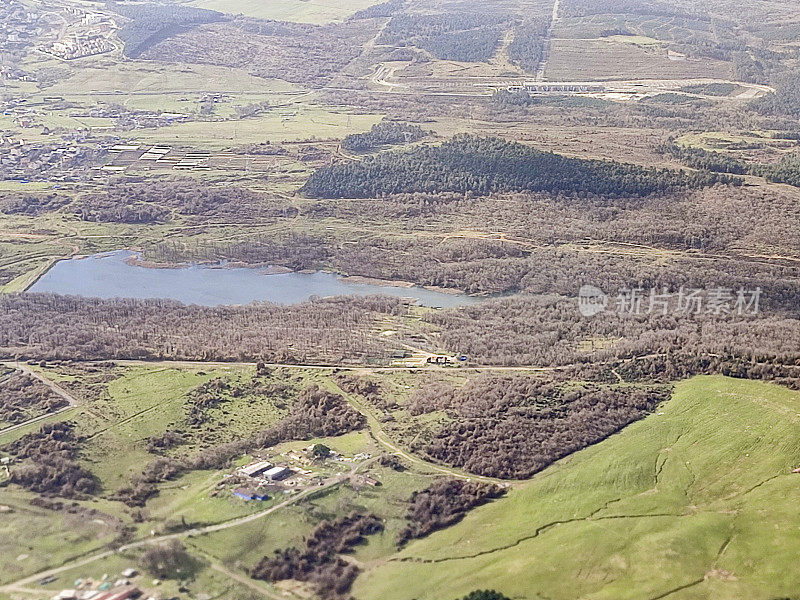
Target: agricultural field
282, 125
129, 79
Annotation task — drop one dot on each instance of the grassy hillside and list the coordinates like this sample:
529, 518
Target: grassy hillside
317, 12
696, 501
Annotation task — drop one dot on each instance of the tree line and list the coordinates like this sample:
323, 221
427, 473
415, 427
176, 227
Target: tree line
444, 503
31, 204
162, 201
584, 8
378, 11
385, 133
318, 562
528, 46
549, 330
470, 164
23, 397
329, 331
367, 388
151, 23
785, 102
50, 467
459, 35
787, 170
513, 427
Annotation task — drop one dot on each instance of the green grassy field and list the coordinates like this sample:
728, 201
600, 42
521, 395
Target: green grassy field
697, 501
205, 582
299, 11
722, 141
125, 405
242, 546
120, 408
125, 79
35, 538
298, 122
142, 403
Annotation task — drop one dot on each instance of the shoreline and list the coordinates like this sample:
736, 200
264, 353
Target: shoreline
273, 269
399, 283
134, 259
43, 270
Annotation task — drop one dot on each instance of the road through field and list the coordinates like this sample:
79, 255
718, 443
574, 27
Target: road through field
546, 44
381, 437
20, 584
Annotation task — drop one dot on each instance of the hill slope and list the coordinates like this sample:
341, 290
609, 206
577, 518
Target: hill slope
697, 501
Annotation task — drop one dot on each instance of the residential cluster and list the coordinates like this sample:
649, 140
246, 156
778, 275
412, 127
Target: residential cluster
54, 162
87, 34
80, 46
21, 26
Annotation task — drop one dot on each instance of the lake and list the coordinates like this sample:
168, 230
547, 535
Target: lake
110, 276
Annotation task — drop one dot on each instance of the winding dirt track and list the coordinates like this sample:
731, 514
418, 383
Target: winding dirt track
57, 389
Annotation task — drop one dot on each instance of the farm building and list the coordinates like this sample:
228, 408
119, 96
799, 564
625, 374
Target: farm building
438, 360
124, 594
256, 469
246, 494
366, 480
121, 594
277, 473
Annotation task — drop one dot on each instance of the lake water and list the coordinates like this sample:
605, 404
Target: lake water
110, 276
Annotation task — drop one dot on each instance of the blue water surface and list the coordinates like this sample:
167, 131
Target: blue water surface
110, 276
